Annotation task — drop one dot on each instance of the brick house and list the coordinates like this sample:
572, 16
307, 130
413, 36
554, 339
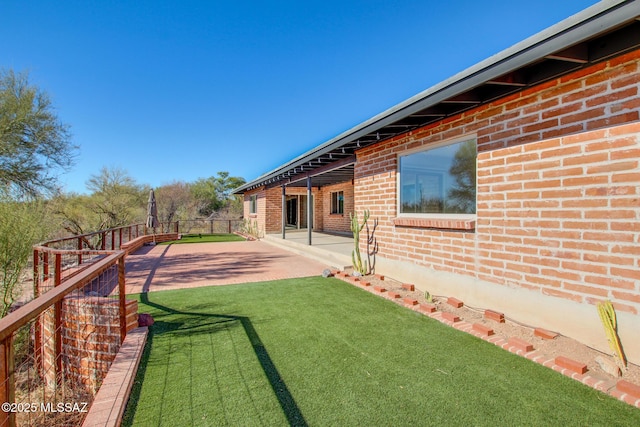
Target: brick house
514, 185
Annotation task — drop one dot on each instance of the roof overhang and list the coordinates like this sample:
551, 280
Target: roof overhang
603, 31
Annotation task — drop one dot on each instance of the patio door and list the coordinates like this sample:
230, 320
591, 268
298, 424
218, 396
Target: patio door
292, 211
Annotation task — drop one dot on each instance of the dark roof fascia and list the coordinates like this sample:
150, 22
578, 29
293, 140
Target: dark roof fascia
589, 23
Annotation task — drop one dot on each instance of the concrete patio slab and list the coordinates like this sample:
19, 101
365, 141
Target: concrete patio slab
179, 266
326, 248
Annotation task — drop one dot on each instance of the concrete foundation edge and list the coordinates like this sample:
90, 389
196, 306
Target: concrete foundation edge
574, 320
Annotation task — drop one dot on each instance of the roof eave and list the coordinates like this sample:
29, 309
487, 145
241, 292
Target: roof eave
589, 23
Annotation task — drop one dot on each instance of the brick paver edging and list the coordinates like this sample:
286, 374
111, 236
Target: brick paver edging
621, 390
110, 402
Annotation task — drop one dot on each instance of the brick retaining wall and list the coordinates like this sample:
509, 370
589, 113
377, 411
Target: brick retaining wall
90, 334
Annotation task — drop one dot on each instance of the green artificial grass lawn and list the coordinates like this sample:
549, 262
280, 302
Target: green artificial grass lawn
205, 238
318, 351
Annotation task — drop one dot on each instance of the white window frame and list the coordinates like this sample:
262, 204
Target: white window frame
434, 216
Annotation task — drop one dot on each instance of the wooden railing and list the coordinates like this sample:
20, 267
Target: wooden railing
71, 277
56, 260
68, 274
209, 226
109, 239
32, 315
114, 238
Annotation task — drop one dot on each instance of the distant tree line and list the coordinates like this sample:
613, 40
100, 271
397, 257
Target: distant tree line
117, 200
35, 148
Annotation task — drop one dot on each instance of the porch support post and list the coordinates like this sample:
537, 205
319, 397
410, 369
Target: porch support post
122, 299
284, 210
309, 213
298, 211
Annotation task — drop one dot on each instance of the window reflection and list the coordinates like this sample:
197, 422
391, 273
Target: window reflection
439, 180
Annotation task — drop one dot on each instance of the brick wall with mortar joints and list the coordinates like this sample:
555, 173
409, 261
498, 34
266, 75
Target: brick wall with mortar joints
90, 335
318, 209
541, 201
337, 222
273, 210
571, 230
302, 210
264, 209
247, 215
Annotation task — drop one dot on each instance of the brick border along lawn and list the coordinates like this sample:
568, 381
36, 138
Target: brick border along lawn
163, 267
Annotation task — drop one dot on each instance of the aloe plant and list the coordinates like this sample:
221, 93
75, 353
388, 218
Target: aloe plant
610, 323
251, 228
428, 297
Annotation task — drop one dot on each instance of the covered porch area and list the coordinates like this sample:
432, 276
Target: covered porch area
329, 248
313, 198
319, 201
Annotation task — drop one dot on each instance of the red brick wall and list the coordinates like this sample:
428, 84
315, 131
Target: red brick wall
337, 222
259, 214
558, 189
269, 208
273, 210
90, 334
318, 209
562, 216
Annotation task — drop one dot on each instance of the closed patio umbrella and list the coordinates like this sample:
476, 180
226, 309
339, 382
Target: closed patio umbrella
152, 212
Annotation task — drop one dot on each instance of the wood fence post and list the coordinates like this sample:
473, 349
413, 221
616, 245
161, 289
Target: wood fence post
45, 266
37, 324
7, 380
79, 248
36, 272
123, 302
58, 321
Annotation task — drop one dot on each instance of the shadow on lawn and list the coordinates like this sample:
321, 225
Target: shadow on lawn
285, 399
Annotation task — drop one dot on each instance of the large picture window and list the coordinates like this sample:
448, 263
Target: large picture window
441, 180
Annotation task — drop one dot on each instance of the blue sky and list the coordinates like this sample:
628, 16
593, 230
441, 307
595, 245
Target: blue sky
179, 90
